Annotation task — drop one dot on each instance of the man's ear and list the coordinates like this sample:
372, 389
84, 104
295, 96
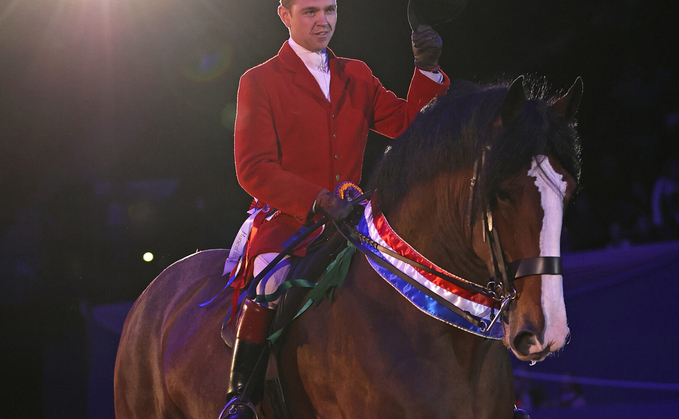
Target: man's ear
284, 14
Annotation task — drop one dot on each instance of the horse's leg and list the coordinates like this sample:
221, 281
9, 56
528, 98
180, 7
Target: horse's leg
139, 390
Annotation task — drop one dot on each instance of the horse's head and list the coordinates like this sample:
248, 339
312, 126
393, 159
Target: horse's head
523, 153
526, 208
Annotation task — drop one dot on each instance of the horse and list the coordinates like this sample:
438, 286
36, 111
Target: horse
476, 184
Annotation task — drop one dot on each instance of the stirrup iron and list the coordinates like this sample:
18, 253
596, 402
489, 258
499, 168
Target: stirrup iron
232, 406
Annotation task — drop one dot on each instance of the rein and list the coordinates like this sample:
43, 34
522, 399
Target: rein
347, 231
500, 286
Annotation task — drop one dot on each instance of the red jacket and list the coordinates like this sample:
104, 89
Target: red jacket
290, 142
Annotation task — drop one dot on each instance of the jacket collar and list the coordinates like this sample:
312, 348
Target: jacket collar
303, 78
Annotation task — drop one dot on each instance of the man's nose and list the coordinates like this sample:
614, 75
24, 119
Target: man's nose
322, 20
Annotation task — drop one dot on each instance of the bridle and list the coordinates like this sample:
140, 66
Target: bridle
500, 286
501, 283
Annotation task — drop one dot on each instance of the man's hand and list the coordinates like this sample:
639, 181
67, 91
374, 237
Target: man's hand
332, 206
427, 48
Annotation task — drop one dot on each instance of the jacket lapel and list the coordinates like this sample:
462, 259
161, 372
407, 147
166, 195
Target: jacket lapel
301, 75
338, 81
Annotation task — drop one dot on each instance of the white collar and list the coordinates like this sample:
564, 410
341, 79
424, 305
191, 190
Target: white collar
313, 60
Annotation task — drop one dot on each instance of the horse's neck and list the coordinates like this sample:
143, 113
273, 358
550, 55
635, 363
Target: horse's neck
402, 363
418, 352
434, 224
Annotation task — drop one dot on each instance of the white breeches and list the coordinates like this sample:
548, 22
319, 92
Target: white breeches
274, 278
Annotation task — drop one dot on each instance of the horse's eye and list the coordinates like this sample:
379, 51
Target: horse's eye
503, 195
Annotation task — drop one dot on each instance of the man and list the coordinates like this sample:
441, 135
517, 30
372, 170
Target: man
301, 127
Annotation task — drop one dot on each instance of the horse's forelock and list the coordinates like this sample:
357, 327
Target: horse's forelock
536, 131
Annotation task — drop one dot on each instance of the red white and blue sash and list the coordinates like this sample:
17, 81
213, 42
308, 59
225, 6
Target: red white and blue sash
479, 306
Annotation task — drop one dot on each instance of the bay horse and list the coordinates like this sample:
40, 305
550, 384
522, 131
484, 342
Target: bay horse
482, 160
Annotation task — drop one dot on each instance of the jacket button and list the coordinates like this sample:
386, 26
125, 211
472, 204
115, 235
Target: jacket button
334, 135
336, 157
337, 177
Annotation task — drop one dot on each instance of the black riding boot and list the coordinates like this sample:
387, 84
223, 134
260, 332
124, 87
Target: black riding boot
251, 331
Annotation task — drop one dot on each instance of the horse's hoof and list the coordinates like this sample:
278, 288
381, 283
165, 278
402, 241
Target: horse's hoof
520, 414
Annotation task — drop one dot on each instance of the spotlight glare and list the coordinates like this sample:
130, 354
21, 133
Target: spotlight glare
148, 257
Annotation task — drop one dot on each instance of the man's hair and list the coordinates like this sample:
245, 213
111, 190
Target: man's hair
287, 3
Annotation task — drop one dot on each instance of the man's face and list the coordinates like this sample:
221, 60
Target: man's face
311, 22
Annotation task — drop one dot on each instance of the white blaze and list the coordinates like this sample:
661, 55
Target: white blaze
552, 188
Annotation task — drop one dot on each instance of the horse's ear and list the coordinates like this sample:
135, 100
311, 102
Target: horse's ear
514, 102
567, 105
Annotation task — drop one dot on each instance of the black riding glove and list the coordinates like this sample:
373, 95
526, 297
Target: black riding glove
332, 206
426, 48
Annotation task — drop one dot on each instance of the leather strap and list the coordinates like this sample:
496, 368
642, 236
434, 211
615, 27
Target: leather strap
545, 265
466, 285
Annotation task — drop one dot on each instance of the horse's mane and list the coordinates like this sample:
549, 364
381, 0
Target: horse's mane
450, 133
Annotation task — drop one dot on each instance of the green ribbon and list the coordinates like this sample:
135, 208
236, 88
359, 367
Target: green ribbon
334, 277
300, 283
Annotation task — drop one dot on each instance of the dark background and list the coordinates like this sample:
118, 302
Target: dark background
116, 138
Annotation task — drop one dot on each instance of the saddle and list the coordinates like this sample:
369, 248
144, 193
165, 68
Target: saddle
320, 253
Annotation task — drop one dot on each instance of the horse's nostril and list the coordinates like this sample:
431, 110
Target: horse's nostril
523, 342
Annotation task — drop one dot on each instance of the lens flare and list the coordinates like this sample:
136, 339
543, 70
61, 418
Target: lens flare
208, 65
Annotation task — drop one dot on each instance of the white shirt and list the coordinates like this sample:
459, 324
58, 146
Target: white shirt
317, 63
